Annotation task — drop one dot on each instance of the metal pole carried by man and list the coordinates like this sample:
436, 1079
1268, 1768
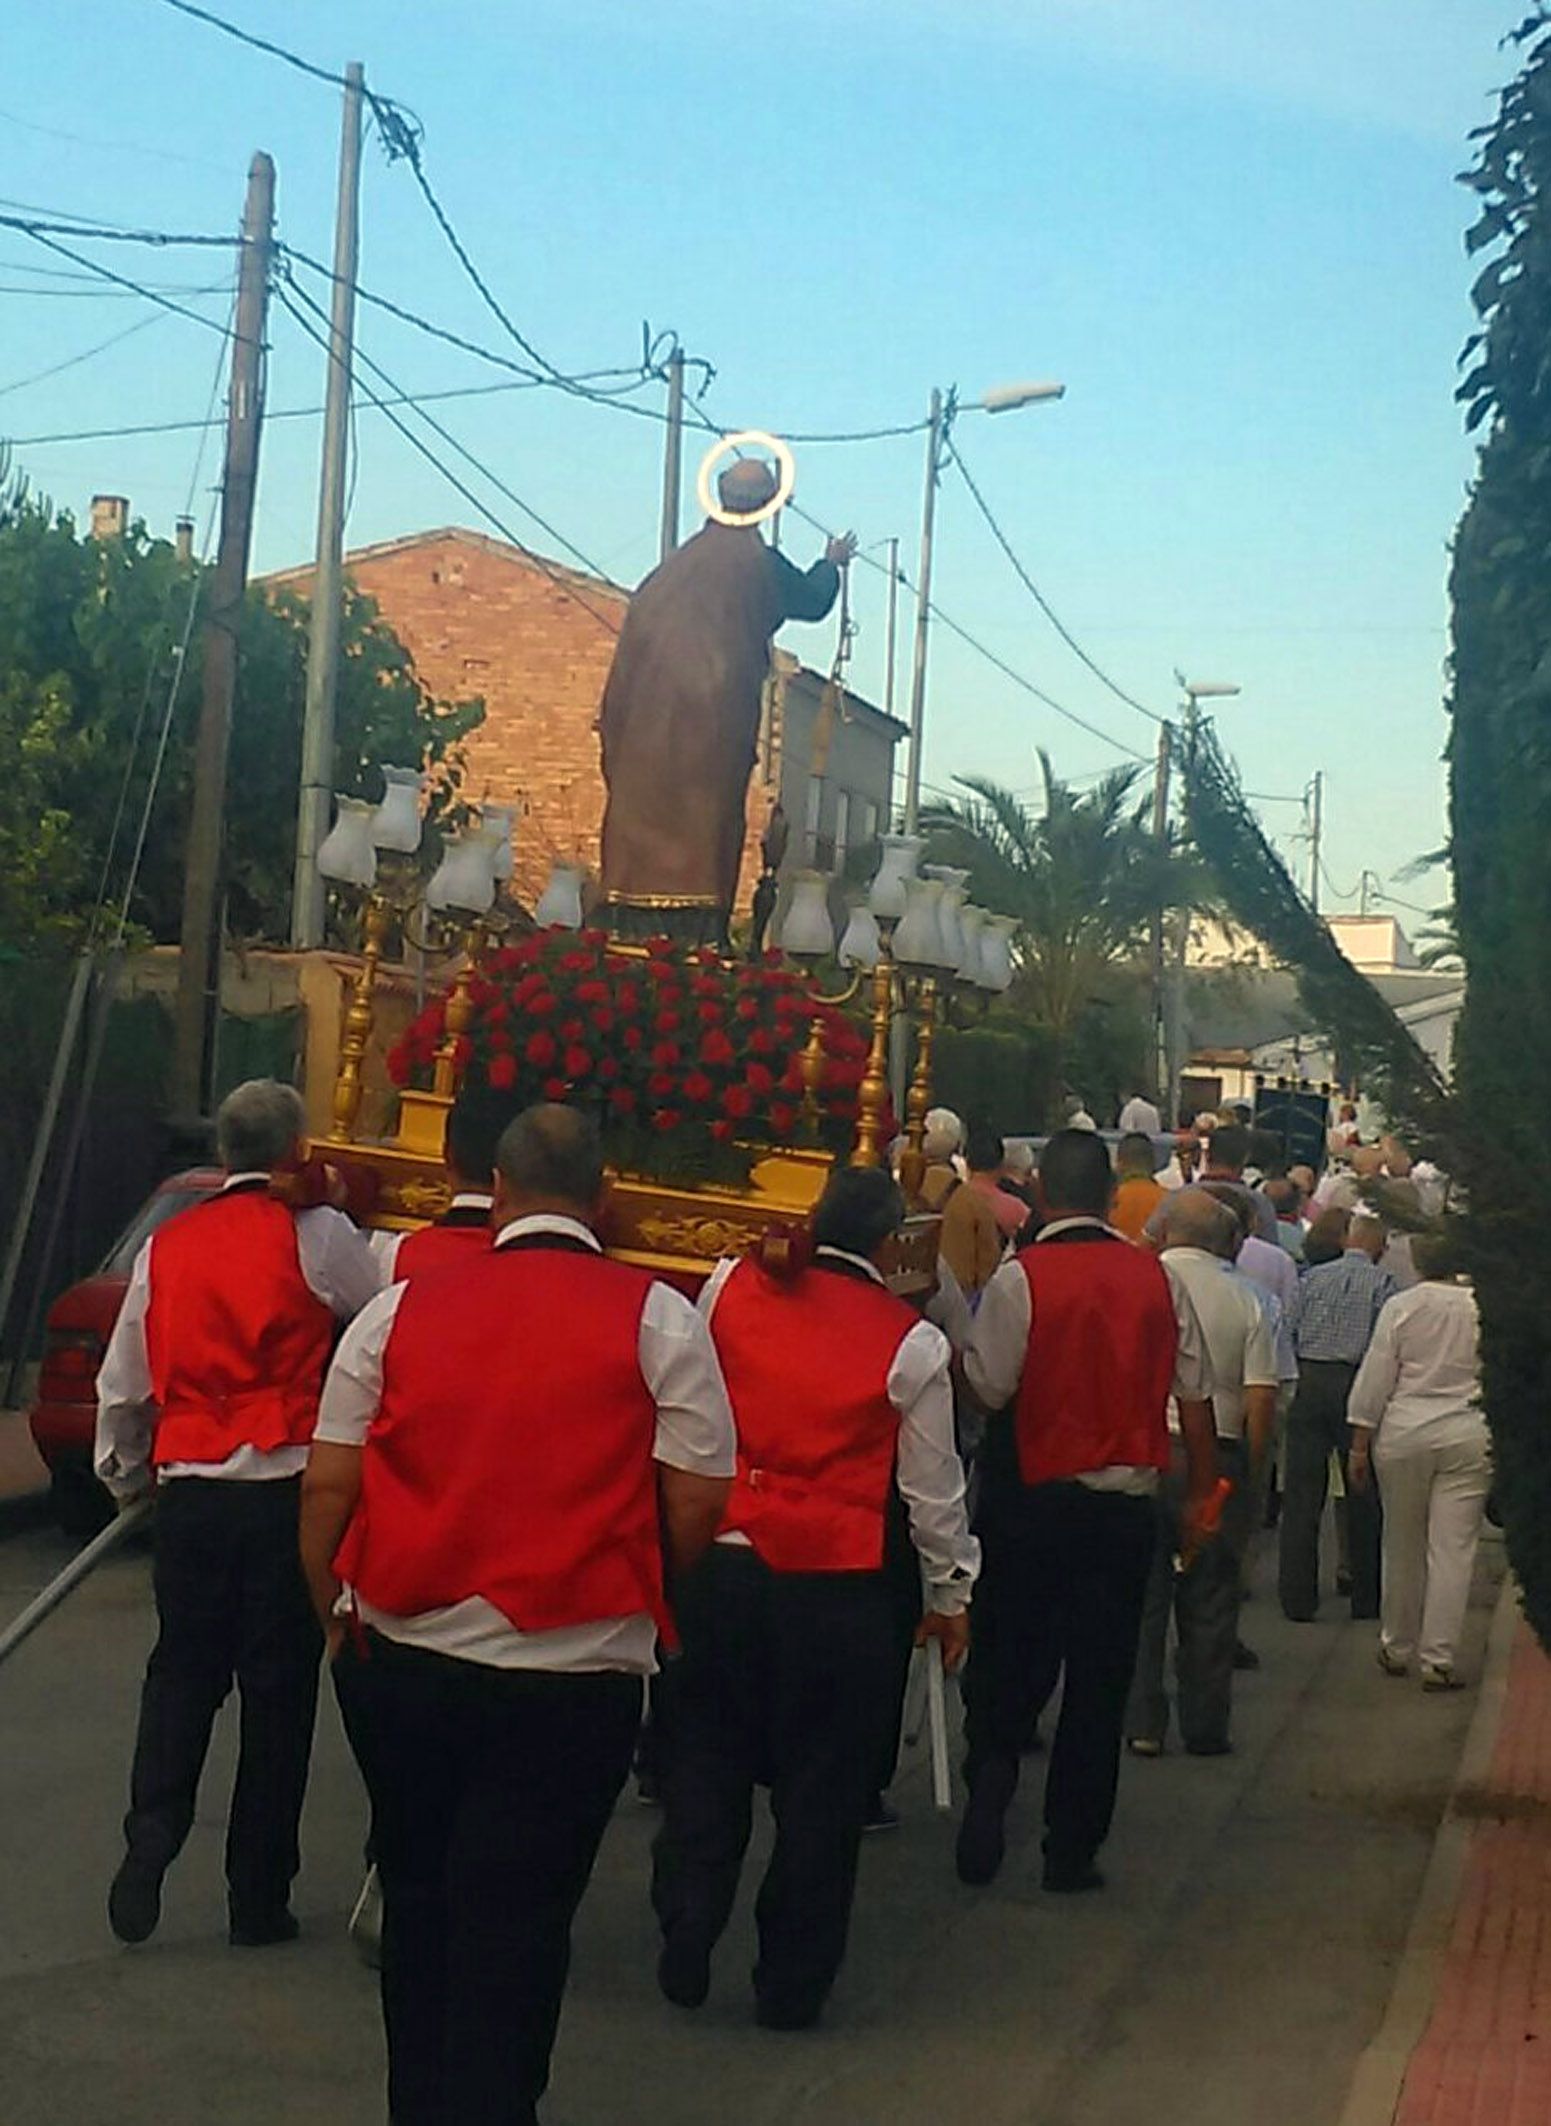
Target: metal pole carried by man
512, 1458
211, 1381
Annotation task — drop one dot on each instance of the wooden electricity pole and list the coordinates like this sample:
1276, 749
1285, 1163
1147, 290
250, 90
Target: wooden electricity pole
199, 956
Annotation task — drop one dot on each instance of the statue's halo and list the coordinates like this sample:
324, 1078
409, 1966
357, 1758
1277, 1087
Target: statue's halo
747, 439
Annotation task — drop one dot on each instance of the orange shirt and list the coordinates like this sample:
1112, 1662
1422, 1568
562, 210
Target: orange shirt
1135, 1201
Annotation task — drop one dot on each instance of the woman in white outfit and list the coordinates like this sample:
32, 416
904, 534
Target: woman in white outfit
1416, 1404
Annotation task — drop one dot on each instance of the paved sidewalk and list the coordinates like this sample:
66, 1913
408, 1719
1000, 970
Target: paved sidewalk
23, 1478
1484, 2058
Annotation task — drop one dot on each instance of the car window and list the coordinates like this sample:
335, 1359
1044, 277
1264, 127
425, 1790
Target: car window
155, 1211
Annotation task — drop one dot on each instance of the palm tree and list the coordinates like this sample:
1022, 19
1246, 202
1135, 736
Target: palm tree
1084, 875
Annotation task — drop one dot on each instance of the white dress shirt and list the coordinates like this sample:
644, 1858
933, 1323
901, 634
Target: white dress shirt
1274, 1273
1420, 1382
1240, 1343
385, 1246
1140, 1116
694, 1432
927, 1468
994, 1361
338, 1267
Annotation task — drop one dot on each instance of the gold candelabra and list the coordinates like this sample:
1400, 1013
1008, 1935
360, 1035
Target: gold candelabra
873, 1097
357, 1028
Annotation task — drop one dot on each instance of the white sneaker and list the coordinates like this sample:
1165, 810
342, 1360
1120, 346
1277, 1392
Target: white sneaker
1440, 1678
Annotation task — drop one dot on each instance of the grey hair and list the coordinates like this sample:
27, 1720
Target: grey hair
1020, 1156
257, 1125
1190, 1218
944, 1134
554, 1152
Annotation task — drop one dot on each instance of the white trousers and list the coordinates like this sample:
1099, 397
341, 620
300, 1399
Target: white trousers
1433, 1499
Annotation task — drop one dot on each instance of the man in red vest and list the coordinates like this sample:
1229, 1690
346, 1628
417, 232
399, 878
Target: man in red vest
839, 1390
474, 1125
505, 1452
1085, 1337
212, 1378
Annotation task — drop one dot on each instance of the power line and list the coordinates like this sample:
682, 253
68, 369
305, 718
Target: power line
123, 281
259, 44
36, 221
1039, 597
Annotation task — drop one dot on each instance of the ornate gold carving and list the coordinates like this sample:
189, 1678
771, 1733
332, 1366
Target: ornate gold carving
359, 1017
417, 1197
873, 1095
706, 1239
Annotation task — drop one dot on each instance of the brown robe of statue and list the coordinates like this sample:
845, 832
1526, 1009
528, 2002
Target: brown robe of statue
679, 723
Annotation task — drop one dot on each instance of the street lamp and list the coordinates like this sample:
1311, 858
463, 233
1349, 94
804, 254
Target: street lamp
943, 411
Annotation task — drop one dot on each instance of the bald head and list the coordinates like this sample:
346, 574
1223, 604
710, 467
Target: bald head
550, 1159
1192, 1218
746, 485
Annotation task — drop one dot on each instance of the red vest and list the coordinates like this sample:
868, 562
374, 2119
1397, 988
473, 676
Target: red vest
441, 1247
512, 1454
237, 1339
1095, 1386
806, 1362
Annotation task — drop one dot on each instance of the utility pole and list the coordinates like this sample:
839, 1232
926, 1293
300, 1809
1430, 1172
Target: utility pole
312, 814
198, 955
1316, 828
937, 424
1174, 993
673, 456
891, 636
1162, 1077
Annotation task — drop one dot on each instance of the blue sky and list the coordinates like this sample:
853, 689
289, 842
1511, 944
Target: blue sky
1234, 234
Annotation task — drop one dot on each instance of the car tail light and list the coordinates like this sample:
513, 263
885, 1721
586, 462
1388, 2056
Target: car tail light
72, 1355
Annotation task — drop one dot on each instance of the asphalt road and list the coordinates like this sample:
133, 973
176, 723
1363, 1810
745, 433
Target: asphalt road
1229, 1976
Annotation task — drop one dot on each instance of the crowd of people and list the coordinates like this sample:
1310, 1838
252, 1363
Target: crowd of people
502, 1481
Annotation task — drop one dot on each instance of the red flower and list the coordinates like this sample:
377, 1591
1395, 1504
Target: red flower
667, 1022
746, 1008
597, 938
762, 1042
791, 1077
627, 998
541, 1050
602, 1019
659, 1084
577, 1063
555, 1088
577, 962
632, 1037
541, 1005
608, 1068
759, 1079
499, 1043
501, 1072
782, 1117
716, 1049
737, 1102
665, 1055
697, 1088
722, 1132
497, 1014
592, 992
666, 1118
709, 1014
622, 1100
705, 985
573, 1030
531, 986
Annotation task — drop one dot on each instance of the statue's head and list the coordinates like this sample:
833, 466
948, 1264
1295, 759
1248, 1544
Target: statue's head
746, 485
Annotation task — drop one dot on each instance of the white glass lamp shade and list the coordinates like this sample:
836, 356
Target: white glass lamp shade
918, 940
465, 877
397, 823
500, 823
347, 855
807, 933
996, 952
886, 896
971, 924
861, 945
560, 904
950, 913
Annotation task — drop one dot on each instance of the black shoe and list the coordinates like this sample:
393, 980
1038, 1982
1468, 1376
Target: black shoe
135, 1900
684, 1972
265, 1933
772, 2012
1209, 1749
880, 1816
1245, 1658
1071, 1878
982, 1840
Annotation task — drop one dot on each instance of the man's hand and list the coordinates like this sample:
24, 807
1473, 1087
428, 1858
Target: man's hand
951, 1634
1359, 1460
309, 1187
841, 549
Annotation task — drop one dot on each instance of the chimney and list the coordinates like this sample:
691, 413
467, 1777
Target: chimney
183, 540
110, 516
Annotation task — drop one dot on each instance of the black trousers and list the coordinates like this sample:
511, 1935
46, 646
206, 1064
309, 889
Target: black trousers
1204, 1603
231, 1603
1316, 1429
491, 1790
902, 1579
1063, 1573
785, 1679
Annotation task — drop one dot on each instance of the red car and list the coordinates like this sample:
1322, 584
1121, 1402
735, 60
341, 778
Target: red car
78, 1326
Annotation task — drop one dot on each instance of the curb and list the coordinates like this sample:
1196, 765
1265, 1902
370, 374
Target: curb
1381, 2071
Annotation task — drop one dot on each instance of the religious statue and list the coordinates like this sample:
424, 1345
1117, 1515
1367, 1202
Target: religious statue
679, 723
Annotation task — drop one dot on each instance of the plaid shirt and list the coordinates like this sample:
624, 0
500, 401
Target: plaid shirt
1337, 1305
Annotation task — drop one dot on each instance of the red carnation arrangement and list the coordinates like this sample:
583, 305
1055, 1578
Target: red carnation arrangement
691, 1063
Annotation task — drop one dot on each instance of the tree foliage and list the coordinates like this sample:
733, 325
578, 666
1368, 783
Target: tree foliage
1085, 877
1500, 797
90, 636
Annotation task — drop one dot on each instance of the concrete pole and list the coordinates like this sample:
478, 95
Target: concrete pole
673, 456
891, 636
1316, 829
312, 812
1174, 1018
198, 957
934, 437
1160, 829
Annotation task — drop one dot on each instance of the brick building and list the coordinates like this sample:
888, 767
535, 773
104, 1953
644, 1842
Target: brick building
481, 618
